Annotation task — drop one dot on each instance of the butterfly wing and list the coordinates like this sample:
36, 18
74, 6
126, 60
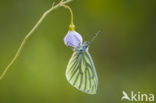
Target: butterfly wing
81, 72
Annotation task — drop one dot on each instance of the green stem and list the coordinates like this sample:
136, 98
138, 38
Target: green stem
71, 26
61, 3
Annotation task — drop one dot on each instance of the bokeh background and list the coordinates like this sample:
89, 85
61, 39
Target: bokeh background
124, 53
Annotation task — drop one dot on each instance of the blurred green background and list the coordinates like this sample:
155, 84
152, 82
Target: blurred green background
124, 53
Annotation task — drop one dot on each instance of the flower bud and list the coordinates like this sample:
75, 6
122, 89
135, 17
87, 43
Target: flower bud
72, 39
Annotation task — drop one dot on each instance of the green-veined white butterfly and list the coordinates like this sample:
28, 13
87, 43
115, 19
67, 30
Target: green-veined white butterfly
80, 71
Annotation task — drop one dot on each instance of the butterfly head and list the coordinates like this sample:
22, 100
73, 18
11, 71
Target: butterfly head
82, 47
85, 44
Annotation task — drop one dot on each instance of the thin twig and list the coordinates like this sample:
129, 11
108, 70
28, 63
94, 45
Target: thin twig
61, 3
71, 12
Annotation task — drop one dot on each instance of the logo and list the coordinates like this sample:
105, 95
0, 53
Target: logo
137, 96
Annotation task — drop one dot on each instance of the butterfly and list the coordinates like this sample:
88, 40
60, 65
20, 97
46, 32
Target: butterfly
80, 71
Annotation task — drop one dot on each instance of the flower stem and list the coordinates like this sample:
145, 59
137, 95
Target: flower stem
61, 3
71, 26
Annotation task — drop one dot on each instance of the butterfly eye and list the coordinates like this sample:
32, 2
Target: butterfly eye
72, 39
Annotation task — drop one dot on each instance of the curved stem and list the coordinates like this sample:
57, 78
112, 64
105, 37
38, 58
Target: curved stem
71, 12
71, 26
61, 3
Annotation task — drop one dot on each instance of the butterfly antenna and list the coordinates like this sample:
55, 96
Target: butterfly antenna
93, 38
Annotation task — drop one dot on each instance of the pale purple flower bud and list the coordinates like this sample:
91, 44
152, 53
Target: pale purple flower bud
72, 39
